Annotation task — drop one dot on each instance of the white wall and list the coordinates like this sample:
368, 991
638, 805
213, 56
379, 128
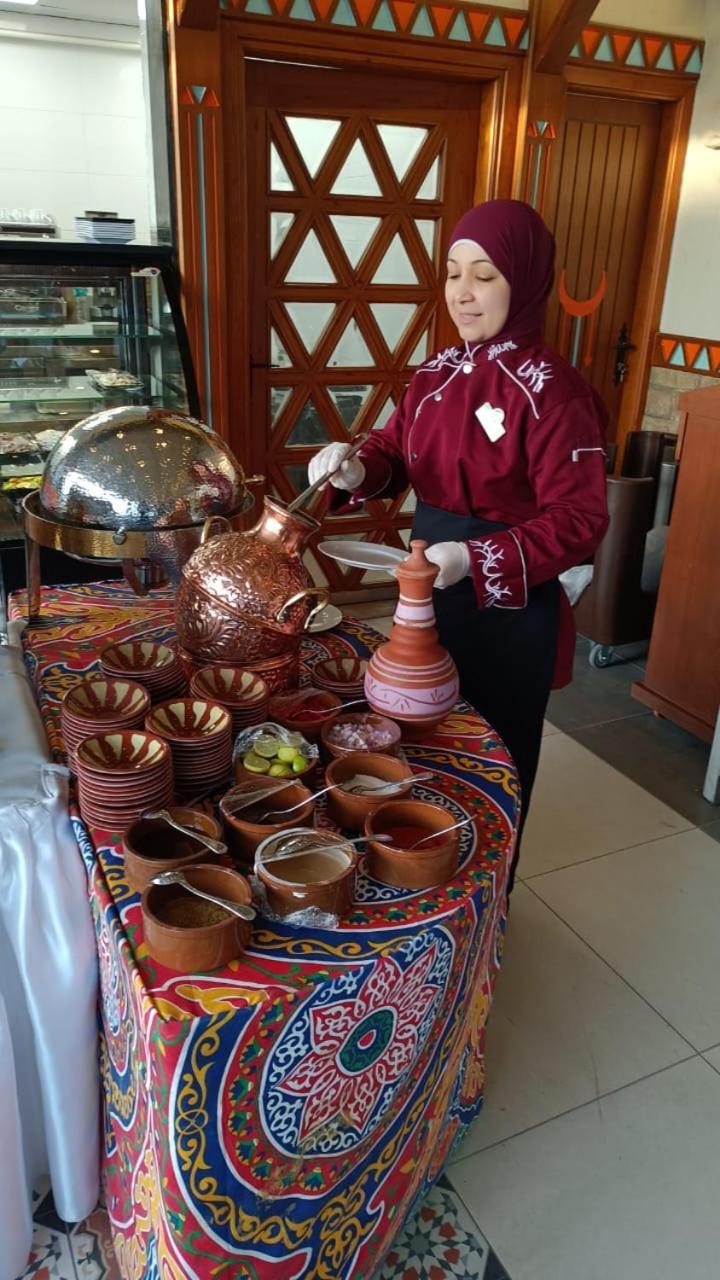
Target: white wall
692, 296
72, 127
666, 17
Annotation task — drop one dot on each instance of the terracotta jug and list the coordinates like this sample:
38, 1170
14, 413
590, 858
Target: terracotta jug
411, 678
243, 597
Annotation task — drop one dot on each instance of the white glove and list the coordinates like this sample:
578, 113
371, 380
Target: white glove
350, 475
453, 561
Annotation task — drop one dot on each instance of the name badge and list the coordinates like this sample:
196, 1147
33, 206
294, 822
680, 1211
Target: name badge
491, 420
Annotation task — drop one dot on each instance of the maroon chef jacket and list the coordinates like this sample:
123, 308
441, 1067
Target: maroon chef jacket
509, 433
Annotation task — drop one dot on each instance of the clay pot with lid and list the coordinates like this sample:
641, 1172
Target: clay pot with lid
245, 597
411, 678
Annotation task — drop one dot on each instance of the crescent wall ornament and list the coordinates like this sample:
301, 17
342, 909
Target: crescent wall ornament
579, 317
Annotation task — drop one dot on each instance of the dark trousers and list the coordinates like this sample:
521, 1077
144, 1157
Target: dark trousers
505, 657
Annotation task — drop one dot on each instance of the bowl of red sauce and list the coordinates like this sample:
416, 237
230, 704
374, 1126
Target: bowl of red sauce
304, 710
405, 822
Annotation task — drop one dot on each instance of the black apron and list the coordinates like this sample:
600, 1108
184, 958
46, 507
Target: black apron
505, 657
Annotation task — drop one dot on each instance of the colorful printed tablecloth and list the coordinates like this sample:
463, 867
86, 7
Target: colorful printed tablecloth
279, 1119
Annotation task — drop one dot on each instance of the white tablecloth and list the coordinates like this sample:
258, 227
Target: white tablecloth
49, 1114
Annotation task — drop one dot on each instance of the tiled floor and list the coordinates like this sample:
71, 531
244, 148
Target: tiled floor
598, 1151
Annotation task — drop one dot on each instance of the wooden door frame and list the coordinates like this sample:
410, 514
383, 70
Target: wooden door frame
500, 97
675, 95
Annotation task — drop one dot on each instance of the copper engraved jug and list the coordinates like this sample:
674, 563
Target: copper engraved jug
244, 597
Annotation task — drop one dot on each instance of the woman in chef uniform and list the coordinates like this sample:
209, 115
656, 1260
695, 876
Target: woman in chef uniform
503, 442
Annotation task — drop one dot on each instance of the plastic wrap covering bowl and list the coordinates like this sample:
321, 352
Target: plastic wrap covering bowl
140, 468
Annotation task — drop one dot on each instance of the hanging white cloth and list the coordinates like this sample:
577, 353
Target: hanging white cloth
49, 1119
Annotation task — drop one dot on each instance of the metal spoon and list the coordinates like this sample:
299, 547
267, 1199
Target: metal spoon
432, 834
247, 796
383, 788
215, 846
235, 908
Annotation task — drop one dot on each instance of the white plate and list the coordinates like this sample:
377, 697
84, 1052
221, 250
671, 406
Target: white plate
364, 555
328, 617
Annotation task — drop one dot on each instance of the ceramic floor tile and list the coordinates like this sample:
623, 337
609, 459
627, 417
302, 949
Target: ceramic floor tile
441, 1243
581, 808
50, 1257
623, 1187
651, 913
594, 697
659, 756
713, 1057
549, 728
712, 829
91, 1247
563, 1029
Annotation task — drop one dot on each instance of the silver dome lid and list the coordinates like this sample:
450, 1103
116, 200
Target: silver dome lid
140, 467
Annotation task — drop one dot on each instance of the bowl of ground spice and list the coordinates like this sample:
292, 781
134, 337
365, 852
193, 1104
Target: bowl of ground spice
190, 934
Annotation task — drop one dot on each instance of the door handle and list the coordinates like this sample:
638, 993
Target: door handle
622, 346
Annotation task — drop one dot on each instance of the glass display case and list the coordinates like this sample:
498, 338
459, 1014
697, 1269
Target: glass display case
82, 328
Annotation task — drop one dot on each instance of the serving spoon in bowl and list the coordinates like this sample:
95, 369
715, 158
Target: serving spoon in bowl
235, 908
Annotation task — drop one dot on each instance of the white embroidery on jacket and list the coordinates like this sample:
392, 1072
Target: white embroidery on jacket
490, 557
521, 385
498, 348
575, 455
536, 374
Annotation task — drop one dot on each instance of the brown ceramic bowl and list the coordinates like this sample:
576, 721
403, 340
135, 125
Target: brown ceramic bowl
152, 846
371, 733
180, 720
351, 811
290, 710
232, 687
343, 676
434, 863
137, 656
130, 751
324, 880
243, 835
196, 946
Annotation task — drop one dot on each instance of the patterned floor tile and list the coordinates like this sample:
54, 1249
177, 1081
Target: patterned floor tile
441, 1243
91, 1245
50, 1257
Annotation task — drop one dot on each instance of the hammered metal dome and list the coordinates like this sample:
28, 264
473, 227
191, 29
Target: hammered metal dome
140, 468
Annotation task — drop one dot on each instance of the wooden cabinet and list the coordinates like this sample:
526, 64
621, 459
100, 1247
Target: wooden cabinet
682, 677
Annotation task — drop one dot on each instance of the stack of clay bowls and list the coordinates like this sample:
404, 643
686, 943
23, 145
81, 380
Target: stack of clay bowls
344, 677
101, 705
199, 735
155, 666
243, 693
120, 775
282, 672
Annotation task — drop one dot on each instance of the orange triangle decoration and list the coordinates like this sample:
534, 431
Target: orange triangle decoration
211, 99
403, 10
590, 41
186, 98
621, 43
652, 47
281, 5
667, 346
690, 350
323, 7
714, 357
478, 20
442, 17
364, 8
514, 28
681, 50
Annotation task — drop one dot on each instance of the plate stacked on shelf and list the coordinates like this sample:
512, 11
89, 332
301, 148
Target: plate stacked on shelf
243, 693
101, 706
155, 666
122, 774
199, 735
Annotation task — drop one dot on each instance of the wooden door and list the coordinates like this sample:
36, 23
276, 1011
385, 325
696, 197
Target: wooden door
355, 183
598, 206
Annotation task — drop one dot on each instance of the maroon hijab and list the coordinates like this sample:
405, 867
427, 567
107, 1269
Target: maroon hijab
523, 250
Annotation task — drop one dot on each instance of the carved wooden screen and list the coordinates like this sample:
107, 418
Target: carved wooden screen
355, 180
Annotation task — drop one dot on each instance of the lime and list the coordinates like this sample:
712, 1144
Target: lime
255, 764
286, 754
266, 746
280, 771
300, 764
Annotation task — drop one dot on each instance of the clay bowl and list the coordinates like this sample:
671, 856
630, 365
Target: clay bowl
243, 693
243, 835
351, 811
424, 868
99, 700
278, 673
152, 846
343, 676
155, 666
373, 733
325, 880
195, 948
185, 720
291, 710
130, 751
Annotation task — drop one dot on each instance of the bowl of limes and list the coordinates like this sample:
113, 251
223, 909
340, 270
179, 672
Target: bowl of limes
272, 751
